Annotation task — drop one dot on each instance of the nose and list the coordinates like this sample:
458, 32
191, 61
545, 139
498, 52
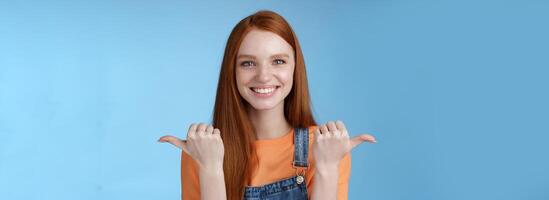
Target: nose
264, 74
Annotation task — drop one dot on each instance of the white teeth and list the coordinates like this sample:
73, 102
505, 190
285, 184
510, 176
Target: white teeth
263, 90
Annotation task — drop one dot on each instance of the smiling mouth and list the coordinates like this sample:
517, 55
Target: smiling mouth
264, 90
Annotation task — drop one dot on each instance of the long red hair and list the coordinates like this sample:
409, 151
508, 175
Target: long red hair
229, 114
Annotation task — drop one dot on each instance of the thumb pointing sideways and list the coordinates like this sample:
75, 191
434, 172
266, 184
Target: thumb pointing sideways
179, 143
357, 140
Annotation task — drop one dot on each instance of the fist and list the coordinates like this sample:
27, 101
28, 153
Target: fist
332, 142
203, 144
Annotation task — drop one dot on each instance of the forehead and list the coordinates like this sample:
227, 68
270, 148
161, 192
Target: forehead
263, 44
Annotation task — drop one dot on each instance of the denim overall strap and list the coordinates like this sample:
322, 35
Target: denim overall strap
289, 188
301, 147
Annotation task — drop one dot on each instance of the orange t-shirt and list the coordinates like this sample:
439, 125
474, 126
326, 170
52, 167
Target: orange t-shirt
275, 158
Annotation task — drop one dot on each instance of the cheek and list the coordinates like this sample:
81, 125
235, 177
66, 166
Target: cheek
287, 79
287, 76
241, 79
240, 83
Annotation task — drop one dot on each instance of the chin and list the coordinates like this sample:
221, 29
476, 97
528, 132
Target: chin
262, 106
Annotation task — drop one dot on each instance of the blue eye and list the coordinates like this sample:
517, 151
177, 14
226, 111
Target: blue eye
279, 61
246, 63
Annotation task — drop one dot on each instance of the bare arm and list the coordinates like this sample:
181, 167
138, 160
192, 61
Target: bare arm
331, 143
212, 184
325, 182
205, 146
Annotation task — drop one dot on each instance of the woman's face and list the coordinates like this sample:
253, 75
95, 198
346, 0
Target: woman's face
264, 69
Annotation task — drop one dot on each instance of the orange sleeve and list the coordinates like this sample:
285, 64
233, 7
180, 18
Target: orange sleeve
190, 185
343, 179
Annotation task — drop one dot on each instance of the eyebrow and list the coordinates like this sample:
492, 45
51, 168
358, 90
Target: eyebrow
280, 55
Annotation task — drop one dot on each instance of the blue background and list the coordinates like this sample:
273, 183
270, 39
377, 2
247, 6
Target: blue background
455, 91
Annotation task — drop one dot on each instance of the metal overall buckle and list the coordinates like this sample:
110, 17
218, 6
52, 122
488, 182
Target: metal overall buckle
300, 173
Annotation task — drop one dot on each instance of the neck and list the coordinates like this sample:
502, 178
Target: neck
269, 124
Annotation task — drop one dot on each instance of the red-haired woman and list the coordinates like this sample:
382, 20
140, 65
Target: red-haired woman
264, 142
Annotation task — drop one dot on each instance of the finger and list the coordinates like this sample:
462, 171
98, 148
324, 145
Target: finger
324, 129
362, 138
209, 129
331, 126
216, 131
192, 130
316, 133
341, 127
201, 128
172, 140
333, 129
182, 144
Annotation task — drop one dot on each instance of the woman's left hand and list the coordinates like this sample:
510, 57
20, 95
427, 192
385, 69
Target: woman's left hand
332, 142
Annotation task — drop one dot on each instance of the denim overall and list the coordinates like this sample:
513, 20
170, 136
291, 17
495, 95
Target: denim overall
289, 188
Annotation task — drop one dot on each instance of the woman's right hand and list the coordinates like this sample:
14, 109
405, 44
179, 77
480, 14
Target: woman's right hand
203, 144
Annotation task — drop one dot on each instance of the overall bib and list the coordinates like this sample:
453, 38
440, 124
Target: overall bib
290, 188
